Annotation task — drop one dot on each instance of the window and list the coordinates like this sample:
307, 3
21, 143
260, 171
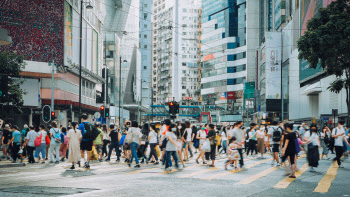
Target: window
145, 67
145, 36
184, 87
183, 63
183, 72
184, 33
184, 56
145, 5
184, 10
145, 25
183, 48
216, 26
145, 16
145, 46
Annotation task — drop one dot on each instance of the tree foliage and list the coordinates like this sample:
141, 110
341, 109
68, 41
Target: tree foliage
326, 43
11, 65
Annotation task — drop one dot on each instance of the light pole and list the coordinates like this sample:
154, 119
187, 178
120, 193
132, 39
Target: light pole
140, 101
89, 7
120, 88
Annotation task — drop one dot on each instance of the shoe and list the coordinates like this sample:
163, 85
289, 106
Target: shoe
312, 170
236, 168
197, 161
78, 163
8, 157
152, 161
142, 162
100, 160
107, 160
46, 158
51, 162
156, 163
62, 159
57, 162
212, 166
13, 161
137, 166
244, 168
204, 163
191, 156
72, 168
167, 169
292, 177
87, 167
43, 162
129, 165
118, 160
278, 165
341, 166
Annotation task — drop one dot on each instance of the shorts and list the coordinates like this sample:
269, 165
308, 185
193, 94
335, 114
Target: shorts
86, 145
98, 148
275, 148
127, 147
185, 144
4, 146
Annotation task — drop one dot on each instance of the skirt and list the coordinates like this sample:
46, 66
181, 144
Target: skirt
313, 156
261, 145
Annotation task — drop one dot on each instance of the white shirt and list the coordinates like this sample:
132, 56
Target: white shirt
230, 133
202, 134
43, 137
189, 134
260, 134
338, 141
313, 138
153, 137
105, 136
224, 137
270, 132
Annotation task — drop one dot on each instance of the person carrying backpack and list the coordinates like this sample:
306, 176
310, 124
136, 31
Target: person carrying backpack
274, 137
114, 144
64, 143
55, 135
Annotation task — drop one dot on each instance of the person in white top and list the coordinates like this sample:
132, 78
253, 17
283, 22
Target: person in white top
324, 141
153, 142
202, 136
41, 149
338, 134
312, 138
188, 134
106, 140
223, 142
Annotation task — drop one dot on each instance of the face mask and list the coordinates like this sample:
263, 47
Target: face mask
179, 127
173, 129
203, 128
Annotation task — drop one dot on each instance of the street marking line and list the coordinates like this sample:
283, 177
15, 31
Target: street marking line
326, 182
139, 171
257, 176
235, 171
284, 183
167, 172
198, 172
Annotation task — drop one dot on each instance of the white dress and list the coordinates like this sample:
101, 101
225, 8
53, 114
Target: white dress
74, 145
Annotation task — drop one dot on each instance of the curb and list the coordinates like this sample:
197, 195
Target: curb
12, 165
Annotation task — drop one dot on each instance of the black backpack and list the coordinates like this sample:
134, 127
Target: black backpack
91, 132
276, 135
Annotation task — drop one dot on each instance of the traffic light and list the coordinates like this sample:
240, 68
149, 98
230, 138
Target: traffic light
53, 115
106, 112
102, 111
177, 107
171, 107
46, 112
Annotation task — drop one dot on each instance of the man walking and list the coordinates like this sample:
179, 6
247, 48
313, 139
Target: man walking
115, 137
274, 137
338, 134
16, 140
31, 136
238, 133
86, 143
6, 136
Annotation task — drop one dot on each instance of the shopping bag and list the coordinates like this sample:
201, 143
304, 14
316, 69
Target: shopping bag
157, 151
37, 141
206, 146
94, 155
47, 139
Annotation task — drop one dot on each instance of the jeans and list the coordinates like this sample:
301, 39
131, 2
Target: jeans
168, 157
40, 149
56, 147
30, 151
114, 145
252, 147
241, 164
153, 152
134, 147
339, 153
14, 153
224, 146
165, 159
104, 147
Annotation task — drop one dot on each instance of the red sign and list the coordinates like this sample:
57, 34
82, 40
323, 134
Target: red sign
208, 57
231, 95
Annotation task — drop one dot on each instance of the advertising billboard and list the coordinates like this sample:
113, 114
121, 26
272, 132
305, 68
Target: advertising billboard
309, 9
68, 34
273, 65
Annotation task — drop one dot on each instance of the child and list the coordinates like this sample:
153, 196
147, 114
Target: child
232, 152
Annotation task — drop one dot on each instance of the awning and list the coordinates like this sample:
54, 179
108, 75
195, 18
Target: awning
313, 89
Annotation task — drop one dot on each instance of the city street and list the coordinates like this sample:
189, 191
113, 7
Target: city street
116, 179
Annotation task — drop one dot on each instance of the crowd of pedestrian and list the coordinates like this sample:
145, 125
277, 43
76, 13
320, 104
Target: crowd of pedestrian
175, 143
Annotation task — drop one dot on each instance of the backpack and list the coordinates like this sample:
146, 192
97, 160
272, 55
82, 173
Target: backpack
57, 136
276, 135
91, 132
65, 141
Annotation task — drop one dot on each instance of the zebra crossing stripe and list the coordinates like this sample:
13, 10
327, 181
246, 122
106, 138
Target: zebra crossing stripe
326, 182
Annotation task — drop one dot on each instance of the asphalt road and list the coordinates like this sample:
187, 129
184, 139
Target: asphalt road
116, 179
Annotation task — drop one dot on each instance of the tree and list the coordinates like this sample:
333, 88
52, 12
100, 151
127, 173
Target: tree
11, 101
326, 43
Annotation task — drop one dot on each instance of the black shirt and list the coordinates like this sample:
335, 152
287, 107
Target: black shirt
291, 144
7, 136
114, 136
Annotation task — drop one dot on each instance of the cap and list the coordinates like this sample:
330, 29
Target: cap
7, 126
25, 126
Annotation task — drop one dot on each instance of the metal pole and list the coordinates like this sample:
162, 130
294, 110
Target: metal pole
105, 103
282, 106
81, 42
120, 88
53, 86
152, 103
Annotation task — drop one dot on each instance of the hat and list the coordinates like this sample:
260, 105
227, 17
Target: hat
25, 126
7, 126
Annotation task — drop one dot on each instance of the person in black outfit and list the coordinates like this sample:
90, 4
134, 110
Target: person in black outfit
289, 149
115, 136
212, 138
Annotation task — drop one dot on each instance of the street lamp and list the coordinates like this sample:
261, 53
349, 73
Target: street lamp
140, 100
120, 87
89, 7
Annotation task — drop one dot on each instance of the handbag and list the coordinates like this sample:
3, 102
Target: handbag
297, 147
165, 141
206, 146
129, 138
157, 151
47, 139
37, 141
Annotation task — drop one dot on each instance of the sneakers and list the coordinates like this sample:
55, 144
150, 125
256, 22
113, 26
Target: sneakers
107, 160
137, 166
72, 168
78, 163
87, 167
312, 169
167, 169
278, 165
51, 162
118, 160
57, 162
156, 163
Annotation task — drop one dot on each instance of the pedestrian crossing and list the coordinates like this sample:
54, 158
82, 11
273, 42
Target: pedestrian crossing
257, 170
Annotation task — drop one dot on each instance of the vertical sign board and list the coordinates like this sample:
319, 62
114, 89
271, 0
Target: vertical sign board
67, 34
309, 9
273, 65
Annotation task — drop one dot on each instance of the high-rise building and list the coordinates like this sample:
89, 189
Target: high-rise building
175, 51
229, 38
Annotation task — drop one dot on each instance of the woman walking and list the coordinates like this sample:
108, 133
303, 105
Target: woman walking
187, 140
41, 149
106, 140
55, 144
252, 140
153, 142
64, 143
201, 136
74, 138
180, 135
313, 140
171, 147
223, 142
289, 149
260, 135
325, 133
136, 136
212, 139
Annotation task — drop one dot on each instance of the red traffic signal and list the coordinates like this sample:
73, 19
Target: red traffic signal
53, 113
102, 107
171, 103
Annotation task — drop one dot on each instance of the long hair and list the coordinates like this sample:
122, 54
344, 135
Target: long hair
104, 129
